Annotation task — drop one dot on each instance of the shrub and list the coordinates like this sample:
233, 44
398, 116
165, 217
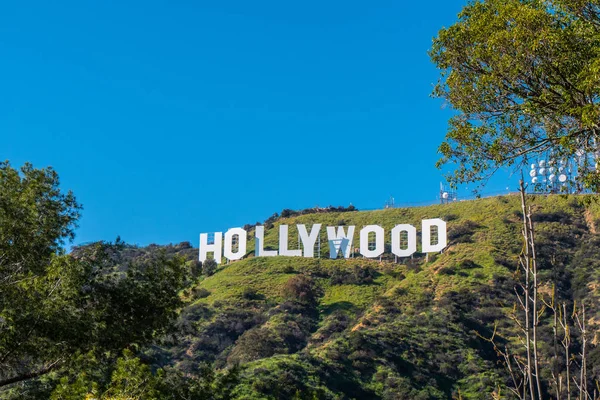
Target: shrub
196, 268
358, 276
505, 261
468, 264
209, 267
302, 289
412, 265
201, 293
333, 324
189, 316
450, 217
286, 213
338, 276
362, 275
251, 294
463, 232
289, 269
254, 344
558, 216
392, 271
449, 270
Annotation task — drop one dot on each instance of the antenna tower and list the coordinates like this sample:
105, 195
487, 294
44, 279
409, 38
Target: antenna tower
447, 195
554, 174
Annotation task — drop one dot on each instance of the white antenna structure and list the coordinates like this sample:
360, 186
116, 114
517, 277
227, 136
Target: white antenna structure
447, 196
554, 174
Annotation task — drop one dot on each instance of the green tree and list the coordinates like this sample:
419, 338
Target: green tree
131, 378
209, 267
524, 78
57, 308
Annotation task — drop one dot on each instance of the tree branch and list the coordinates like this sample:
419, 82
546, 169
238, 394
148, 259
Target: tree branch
31, 375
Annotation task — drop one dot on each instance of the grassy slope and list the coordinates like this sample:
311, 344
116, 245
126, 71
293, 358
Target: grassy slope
497, 233
485, 244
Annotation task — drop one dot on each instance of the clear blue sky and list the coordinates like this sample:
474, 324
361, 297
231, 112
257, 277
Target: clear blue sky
172, 118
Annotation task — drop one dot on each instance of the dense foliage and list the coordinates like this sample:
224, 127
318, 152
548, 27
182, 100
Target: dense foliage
524, 78
115, 321
60, 312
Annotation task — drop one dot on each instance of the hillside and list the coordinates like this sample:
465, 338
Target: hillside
384, 330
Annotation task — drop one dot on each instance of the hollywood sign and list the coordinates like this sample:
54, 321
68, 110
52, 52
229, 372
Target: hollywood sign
340, 241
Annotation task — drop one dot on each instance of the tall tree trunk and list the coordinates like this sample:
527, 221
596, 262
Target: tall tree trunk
526, 266
566, 342
535, 314
583, 392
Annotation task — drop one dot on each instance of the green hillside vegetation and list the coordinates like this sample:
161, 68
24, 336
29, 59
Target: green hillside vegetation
116, 321
389, 330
